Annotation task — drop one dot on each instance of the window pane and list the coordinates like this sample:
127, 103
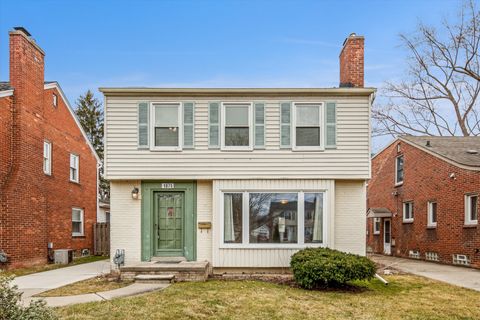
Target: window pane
236, 116
273, 217
473, 208
166, 116
166, 137
76, 215
76, 227
232, 218
236, 136
434, 212
308, 116
308, 136
400, 169
313, 217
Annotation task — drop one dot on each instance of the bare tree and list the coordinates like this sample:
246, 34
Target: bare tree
440, 94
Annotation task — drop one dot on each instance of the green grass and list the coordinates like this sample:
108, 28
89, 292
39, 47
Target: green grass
406, 297
51, 266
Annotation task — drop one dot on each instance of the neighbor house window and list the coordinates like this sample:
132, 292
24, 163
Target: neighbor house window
77, 222
408, 212
167, 128
47, 157
471, 209
307, 131
237, 128
273, 218
55, 100
399, 170
432, 214
74, 176
376, 225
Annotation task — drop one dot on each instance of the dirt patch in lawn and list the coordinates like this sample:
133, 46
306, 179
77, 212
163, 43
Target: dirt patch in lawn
97, 284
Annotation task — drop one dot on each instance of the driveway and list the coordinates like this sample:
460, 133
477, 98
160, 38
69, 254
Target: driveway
42, 281
459, 276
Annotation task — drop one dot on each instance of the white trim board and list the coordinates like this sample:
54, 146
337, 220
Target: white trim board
6, 93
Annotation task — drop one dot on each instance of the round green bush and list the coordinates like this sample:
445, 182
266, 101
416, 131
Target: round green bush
323, 267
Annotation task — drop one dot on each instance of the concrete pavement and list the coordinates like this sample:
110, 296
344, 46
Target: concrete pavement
459, 276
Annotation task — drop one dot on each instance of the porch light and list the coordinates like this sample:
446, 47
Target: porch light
135, 193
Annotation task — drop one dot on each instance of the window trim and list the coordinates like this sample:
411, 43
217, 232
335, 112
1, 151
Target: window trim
322, 126
152, 126
468, 221
82, 220
77, 168
399, 183
300, 220
409, 220
430, 223
375, 231
49, 158
223, 123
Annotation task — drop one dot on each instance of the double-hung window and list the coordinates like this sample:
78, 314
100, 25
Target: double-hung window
74, 166
471, 209
268, 218
432, 214
408, 211
47, 157
167, 126
77, 222
308, 120
399, 170
237, 126
376, 225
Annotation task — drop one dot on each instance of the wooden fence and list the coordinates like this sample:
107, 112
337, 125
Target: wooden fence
101, 239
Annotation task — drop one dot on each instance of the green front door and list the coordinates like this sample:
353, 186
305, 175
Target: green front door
169, 222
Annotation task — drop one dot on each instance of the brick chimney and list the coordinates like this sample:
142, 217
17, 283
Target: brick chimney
352, 62
26, 69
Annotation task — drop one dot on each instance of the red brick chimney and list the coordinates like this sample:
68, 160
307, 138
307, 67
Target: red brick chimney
26, 69
352, 62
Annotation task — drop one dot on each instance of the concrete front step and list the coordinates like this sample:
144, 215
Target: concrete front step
182, 271
154, 278
168, 259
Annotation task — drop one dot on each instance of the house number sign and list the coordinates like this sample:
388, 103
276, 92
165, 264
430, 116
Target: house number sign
168, 185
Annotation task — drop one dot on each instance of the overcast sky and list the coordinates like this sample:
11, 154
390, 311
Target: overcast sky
90, 44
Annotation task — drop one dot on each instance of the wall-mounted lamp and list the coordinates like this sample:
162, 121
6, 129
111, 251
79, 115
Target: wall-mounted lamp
135, 193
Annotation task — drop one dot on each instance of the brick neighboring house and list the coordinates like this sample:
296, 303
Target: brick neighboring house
48, 169
423, 200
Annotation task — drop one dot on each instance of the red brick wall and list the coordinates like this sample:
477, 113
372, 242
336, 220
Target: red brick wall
36, 208
427, 178
352, 62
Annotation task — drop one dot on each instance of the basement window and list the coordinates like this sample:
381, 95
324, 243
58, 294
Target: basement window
461, 259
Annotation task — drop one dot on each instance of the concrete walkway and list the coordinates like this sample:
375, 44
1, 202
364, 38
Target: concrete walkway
459, 276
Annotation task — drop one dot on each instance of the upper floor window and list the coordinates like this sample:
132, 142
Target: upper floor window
47, 157
308, 126
74, 176
167, 126
55, 100
432, 214
237, 126
399, 171
408, 212
471, 209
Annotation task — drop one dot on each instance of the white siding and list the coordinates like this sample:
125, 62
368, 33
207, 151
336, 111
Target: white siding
350, 160
204, 214
125, 221
350, 220
277, 257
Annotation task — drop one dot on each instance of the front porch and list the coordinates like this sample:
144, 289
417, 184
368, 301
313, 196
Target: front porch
171, 271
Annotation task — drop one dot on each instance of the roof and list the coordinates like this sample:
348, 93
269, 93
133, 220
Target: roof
460, 150
236, 92
378, 213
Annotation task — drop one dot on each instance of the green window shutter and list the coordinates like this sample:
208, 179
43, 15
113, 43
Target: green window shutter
285, 124
331, 125
259, 127
188, 125
214, 125
143, 125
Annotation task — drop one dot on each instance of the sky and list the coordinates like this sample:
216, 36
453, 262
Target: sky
92, 44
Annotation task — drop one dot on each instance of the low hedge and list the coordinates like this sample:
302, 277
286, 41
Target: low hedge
324, 267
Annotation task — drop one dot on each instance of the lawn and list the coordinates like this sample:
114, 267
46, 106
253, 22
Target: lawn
50, 266
93, 285
406, 297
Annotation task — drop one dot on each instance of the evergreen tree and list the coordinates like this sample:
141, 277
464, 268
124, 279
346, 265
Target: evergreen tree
89, 111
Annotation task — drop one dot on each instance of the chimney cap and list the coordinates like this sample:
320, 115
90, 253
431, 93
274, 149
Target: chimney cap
22, 29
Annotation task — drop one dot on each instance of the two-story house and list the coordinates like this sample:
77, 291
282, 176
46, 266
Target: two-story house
239, 177
423, 200
48, 168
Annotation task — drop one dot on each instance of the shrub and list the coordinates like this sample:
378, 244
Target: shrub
12, 309
317, 267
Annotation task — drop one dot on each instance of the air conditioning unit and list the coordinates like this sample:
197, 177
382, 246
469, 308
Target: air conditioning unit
63, 256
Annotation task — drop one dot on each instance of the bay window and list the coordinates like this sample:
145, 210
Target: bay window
307, 121
237, 127
167, 127
269, 218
